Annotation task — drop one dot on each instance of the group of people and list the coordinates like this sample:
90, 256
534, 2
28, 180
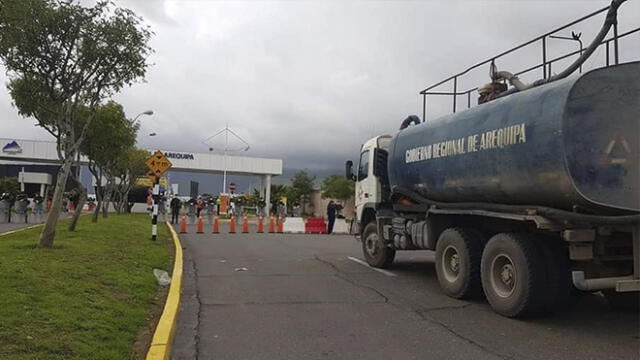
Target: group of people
20, 205
211, 205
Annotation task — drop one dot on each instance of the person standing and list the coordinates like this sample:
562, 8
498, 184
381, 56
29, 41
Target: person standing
199, 206
175, 206
38, 207
331, 216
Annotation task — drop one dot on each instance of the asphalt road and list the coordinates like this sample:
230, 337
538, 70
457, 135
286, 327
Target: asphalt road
302, 297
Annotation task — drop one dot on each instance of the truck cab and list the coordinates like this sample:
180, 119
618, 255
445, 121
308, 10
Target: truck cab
369, 178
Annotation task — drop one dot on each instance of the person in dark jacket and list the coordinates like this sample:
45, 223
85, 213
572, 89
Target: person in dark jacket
331, 216
175, 206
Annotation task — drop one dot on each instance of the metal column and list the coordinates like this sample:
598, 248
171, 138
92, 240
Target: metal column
267, 194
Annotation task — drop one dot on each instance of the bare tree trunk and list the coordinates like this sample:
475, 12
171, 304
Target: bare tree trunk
76, 215
97, 174
107, 199
96, 211
49, 229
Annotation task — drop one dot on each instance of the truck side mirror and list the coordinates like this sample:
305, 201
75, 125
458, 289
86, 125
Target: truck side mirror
349, 170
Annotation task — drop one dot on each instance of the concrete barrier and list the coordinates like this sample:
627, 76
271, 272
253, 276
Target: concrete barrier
341, 226
294, 225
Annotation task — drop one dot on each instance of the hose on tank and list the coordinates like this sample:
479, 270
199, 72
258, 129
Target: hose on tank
610, 19
548, 212
410, 119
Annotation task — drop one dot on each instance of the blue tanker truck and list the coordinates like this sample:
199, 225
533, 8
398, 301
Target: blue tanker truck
527, 198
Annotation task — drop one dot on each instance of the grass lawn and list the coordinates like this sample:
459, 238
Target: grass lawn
87, 297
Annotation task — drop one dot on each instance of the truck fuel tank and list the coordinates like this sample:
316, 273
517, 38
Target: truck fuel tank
570, 143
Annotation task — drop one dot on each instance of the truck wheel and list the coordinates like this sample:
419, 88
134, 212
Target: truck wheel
458, 256
625, 301
376, 252
513, 274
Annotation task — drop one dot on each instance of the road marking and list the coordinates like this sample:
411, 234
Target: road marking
388, 273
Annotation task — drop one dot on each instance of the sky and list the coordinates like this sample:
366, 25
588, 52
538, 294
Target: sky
310, 81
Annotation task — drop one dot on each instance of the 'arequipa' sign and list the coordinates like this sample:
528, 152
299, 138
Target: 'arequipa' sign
173, 155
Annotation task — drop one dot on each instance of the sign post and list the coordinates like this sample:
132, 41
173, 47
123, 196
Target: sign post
158, 164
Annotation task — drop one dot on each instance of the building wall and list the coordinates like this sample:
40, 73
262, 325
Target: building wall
12, 170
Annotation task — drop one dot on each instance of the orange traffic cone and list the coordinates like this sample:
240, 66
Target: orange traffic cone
260, 225
183, 224
232, 225
245, 225
200, 229
272, 225
216, 225
280, 225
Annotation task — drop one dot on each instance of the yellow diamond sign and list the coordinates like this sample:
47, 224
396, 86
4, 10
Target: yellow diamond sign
158, 164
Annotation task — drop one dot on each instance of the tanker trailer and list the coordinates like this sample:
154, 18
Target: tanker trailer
523, 198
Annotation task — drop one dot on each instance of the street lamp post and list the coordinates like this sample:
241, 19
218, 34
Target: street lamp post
574, 37
148, 112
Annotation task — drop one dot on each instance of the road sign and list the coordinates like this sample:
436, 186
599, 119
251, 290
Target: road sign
158, 164
232, 186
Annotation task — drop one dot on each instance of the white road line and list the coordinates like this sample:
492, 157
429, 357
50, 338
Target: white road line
388, 273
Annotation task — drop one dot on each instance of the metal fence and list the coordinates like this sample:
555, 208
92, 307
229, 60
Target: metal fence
612, 56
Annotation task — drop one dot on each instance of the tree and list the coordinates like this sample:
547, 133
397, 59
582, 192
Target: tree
302, 187
62, 58
338, 187
106, 144
9, 185
128, 169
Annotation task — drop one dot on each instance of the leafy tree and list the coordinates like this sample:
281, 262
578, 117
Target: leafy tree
106, 144
338, 187
302, 187
9, 185
127, 170
61, 58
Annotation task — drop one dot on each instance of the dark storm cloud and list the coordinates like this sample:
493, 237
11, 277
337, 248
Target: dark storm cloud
310, 81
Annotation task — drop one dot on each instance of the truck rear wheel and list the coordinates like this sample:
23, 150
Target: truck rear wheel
458, 256
376, 252
513, 275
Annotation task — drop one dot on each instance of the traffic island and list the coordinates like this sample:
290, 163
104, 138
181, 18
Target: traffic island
89, 297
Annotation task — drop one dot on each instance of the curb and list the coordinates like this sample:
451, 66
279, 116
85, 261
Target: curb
20, 229
160, 347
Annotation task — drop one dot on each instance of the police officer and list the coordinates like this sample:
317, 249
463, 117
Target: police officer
162, 202
22, 205
239, 209
191, 210
38, 207
175, 206
211, 208
199, 205
5, 207
331, 216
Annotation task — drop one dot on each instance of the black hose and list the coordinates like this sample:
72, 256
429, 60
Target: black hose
410, 119
548, 212
610, 19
